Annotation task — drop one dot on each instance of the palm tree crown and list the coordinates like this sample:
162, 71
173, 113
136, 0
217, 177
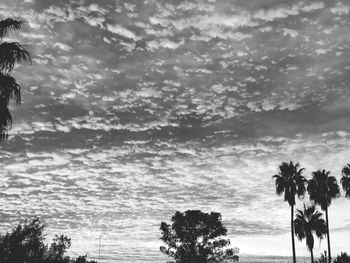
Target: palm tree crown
308, 222
10, 54
323, 188
290, 181
345, 180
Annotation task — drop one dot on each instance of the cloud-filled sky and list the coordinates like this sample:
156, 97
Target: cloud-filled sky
135, 109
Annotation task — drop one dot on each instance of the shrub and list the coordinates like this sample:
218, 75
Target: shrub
26, 244
343, 258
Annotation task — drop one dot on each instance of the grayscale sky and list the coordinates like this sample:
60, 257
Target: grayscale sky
135, 109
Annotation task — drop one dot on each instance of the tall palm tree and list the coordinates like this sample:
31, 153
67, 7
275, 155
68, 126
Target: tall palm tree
322, 188
308, 222
291, 182
10, 54
345, 180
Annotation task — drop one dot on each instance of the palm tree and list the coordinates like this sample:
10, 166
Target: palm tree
322, 188
345, 180
291, 182
10, 53
308, 222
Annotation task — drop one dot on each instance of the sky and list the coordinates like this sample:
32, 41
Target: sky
133, 110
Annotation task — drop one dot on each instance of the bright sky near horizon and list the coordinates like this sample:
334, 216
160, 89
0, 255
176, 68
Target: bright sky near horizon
135, 109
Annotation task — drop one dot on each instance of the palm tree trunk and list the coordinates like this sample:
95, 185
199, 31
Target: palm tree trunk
312, 256
328, 239
292, 229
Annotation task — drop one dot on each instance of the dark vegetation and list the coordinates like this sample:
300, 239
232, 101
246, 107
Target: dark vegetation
196, 237
343, 258
26, 244
10, 54
322, 189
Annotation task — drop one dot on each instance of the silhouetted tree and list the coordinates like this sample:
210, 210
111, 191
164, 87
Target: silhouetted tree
23, 244
10, 53
343, 258
291, 182
308, 222
82, 259
323, 258
58, 248
322, 188
195, 237
345, 180
26, 244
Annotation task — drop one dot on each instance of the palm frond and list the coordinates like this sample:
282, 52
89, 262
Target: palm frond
10, 53
5, 119
279, 183
333, 187
290, 181
346, 170
323, 188
345, 180
8, 25
307, 222
9, 88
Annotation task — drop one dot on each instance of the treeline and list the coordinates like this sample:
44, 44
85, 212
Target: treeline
26, 244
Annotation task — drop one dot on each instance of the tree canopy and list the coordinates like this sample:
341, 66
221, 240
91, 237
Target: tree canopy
290, 181
323, 188
26, 244
196, 237
307, 223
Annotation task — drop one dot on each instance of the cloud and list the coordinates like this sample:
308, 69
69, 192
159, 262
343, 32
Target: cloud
62, 46
291, 32
120, 30
313, 6
143, 109
272, 14
340, 9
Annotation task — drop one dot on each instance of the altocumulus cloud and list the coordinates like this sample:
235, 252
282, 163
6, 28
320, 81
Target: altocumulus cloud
135, 109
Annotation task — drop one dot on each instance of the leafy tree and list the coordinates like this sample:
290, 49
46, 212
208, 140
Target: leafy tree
58, 248
323, 258
291, 182
10, 54
345, 180
308, 222
23, 244
322, 189
343, 258
82, 259
26, 244
195, 237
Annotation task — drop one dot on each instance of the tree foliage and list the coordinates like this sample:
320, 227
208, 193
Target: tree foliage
307, 223
195, 237
345, 180
26, 244
343, 258
10, 54
323, 188
290, 181
323, 258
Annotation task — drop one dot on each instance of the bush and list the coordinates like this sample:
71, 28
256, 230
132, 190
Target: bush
343, 258
323, 258
26, 244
